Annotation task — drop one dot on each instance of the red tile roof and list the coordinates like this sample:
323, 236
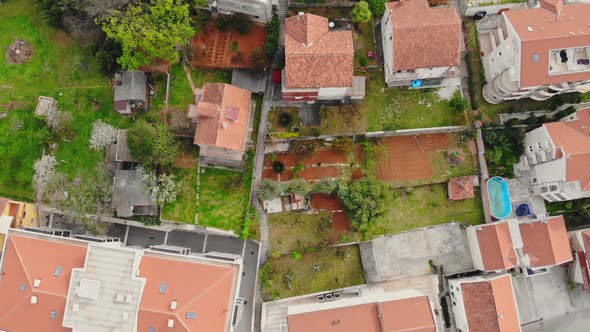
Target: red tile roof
547, 34
411, 314
207, 289
546, 242
204, 289
223, 114
424, 37
316, 57
25, 260
461, 188
574, 138
490, 305
496, 247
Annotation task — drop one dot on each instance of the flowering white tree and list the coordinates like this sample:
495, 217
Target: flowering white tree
160, 189
44, 170
102, 135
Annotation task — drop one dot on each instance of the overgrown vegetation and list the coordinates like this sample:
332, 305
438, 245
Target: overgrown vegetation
152, 144
272, 39
503, 149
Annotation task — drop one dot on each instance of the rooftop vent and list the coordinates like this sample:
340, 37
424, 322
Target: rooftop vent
173, 305
33, 299
530, 29
36, 283
331, 24
171, 323
300, 14
163, 288
191, 315
119, 298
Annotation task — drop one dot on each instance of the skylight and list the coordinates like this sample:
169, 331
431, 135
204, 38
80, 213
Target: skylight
163, 287
191, 315
58, 271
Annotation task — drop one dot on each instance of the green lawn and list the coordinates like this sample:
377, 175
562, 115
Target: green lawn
185, 206
402, 108
298, 231
202, 76
424, 206
313, 272
59, 68
223, 198
365, 42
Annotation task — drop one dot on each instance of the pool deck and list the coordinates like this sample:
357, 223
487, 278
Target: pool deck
520, 192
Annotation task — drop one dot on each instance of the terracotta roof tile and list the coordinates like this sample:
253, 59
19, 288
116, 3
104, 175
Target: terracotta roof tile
574, 138
213, 126
316, 57
547, 34
546, 243
424, 37
461, 188
490, 305
496, 247
405, 315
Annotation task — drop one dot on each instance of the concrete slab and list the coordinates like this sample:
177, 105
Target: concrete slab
144, 237
187, 239
248, 285
578, 321
408, 254
225, 244
118, 231
248, 79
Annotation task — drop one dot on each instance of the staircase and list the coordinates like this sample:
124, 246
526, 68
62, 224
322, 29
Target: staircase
282, 13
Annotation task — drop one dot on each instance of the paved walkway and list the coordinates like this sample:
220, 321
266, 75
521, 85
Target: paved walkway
504, 117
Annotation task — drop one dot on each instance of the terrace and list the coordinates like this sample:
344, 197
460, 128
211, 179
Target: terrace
571, 60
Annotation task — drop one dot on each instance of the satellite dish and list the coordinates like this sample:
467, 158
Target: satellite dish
331, 24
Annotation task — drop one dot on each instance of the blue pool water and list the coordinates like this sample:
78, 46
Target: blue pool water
499, 198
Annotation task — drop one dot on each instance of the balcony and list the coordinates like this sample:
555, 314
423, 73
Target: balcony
572, 60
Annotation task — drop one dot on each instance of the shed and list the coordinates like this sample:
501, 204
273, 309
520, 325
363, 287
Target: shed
131, 92
45, 106
129, 197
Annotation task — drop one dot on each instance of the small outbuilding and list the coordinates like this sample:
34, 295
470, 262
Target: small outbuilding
462, 187
130, 91
129, 197
45, 106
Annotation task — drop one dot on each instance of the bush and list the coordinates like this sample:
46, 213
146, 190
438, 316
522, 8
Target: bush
305, 148
325, 186
296, 255
458, 103
152, 144
270, 189
363, 61
107, 51
298, 168
361, 13
531, 120
299, 186
285, 119
272, 39
513, 122
343, 144
364, 201
278, 167
377, 7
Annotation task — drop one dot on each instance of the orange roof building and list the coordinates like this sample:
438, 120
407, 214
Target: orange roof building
531, 245
420, 43
319, 61
222, 115
484, 304
557, 158
403, 312
462, 187
53, 283
537, 53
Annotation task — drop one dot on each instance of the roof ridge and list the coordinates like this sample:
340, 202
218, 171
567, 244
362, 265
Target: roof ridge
493, 285
29, 289
21, 260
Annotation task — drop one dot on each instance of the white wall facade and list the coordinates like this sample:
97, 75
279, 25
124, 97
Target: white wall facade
474, 247
258, 10
332, 93
387, 39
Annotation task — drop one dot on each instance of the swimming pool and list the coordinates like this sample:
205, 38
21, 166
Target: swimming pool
499, 198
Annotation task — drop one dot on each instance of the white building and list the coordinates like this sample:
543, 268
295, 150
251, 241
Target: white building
484, 303
556, 158
421, 45
537, 53
258, 10
580, 270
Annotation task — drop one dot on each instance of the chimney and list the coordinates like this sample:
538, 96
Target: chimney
300, 15
554, 6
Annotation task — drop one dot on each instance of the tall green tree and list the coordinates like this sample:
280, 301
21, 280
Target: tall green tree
365, 200
361, 13
149, 30
153, 145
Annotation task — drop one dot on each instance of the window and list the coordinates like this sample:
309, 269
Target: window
22, 287
535, 57
539, 145
163, 288
553, 188
191, 315
534, 180
152, 329
530, 148
544, 189
454, 303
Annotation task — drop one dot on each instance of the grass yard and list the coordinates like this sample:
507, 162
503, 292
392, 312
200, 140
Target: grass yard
312, 272
415, 207
223, 198
185, 206
299, 231
202, 76
258, 99
401, 108
364, 40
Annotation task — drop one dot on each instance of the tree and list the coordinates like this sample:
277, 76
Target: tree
153, 145
149, 30
59, 122
298, 186
377, 7
44, 171
102, 135
272, 39
278, 167
160, 189
458, 103
325, 186
361, 13
270, 189
364, 200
